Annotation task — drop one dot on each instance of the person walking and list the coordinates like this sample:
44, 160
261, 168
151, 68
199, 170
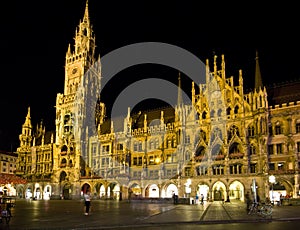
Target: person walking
197, 199
202, 199
87, 202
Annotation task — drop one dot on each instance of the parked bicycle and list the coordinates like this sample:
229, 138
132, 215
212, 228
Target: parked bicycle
5, 208
262, 209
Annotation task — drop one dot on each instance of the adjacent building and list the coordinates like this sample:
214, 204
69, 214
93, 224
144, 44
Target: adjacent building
7, 169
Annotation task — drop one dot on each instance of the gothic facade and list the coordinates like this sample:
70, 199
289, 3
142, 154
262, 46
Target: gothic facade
221, 145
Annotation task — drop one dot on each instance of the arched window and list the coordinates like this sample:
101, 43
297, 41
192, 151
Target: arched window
250, 131
234, 148
203, 135
151, 145
219, 112
174, 142
200, 151
216, 150
233, 131
236, 109
135, 146
140, 146
228, 110
156, 143
298, 126
169, 143
252, 150
278, 128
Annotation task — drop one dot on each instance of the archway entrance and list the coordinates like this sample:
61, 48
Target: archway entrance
171, 189
66, 192
236, 191
204, 190
152, 191
219, 191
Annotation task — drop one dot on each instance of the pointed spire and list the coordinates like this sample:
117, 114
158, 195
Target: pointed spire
145, 123
207, 72
128, 113
69, 49
258, 79
28, 119
179, 96
223, 66
162, 117
193, 93
112, 127
215, 65
86, 12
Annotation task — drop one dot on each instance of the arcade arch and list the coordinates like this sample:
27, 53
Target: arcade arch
169, 190
203, 189
152, 191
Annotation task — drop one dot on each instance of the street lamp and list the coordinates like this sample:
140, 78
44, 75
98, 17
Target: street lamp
272, 180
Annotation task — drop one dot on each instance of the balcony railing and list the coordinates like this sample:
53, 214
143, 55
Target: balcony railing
218, 157
200, 158
236, 155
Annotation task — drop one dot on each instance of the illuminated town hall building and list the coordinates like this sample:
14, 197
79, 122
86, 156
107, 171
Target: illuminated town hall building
215, 146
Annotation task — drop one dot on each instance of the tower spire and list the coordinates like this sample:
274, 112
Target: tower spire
258, 80
179, 95
28, 119
86, 12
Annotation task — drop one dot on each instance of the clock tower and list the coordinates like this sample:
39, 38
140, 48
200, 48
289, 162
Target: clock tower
81, 88
81, 58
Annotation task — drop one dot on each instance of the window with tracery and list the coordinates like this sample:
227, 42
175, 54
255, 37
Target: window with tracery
203, 135
278, 129
253, 168
233, 131
236, 109
218, 169
250, 131
252, 149
298, 127
235, 169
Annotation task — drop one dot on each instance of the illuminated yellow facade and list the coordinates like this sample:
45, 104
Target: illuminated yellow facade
215, 146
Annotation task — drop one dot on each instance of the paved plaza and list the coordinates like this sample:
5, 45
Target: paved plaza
69, 214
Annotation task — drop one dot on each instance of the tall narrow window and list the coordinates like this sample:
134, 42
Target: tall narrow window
298, 127
278, 129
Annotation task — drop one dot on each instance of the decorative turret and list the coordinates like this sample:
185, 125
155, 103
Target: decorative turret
26, 136
127, 122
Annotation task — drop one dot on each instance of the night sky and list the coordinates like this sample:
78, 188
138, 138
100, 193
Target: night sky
35, 36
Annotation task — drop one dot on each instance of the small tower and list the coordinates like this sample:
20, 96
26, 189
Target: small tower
26, 136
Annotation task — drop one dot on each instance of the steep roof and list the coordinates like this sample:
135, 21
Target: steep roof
138, 119
284, 93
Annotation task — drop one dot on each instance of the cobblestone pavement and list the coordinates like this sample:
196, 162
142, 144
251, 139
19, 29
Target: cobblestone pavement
112, 214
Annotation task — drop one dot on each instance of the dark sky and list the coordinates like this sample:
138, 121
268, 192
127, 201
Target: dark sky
35, 36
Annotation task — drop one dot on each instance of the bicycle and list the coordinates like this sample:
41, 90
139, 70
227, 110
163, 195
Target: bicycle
5, 209
265, 209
